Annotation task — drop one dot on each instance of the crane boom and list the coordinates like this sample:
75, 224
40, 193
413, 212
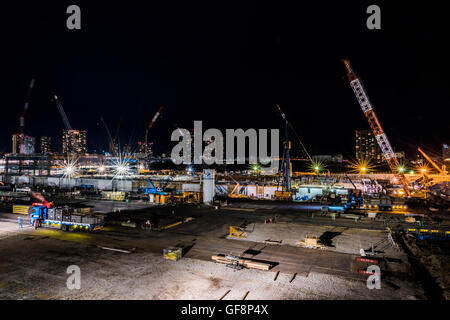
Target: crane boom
375, 125
63, 114
112, 148
25, 107
283, 115
155, 117
22, 117
432, 162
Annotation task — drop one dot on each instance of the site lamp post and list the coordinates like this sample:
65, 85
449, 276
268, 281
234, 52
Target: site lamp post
401, 169
362, 170
256, 169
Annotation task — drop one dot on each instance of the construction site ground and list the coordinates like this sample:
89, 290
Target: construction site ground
33, 263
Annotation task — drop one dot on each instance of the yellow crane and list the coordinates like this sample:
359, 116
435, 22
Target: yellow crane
236, 188
440, 170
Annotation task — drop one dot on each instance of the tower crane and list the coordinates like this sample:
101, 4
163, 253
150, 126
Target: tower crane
440, 170
150, 125
63, 114
375, 125
22, 117
286, 162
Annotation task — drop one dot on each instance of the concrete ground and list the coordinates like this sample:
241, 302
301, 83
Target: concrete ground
334, 238
33, 263
34, 267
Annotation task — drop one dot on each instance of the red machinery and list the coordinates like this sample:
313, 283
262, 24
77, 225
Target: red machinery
375, 125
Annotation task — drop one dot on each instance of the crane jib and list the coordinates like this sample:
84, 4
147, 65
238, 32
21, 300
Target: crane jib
361, 95
375, 125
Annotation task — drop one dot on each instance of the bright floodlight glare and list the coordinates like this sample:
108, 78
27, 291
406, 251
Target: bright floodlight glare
121, 168
316, 165
401, 169
69, 168
423, 170
362, 165
101, 169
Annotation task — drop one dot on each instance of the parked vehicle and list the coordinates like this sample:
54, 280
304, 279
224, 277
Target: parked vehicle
64, 219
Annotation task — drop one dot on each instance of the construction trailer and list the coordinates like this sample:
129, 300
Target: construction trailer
65, 219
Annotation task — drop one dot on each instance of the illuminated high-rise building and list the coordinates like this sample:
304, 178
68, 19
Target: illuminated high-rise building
366, 147
23, 144
74, 141
141, 148
46, 145
15, 143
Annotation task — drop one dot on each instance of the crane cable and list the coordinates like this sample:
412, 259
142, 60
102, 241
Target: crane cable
283, 115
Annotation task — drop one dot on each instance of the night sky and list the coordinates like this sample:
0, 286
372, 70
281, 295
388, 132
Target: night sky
227, 63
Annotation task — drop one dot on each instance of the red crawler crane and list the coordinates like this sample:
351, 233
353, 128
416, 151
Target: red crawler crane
375, 125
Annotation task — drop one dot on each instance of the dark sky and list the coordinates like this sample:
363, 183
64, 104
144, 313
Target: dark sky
227, 63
